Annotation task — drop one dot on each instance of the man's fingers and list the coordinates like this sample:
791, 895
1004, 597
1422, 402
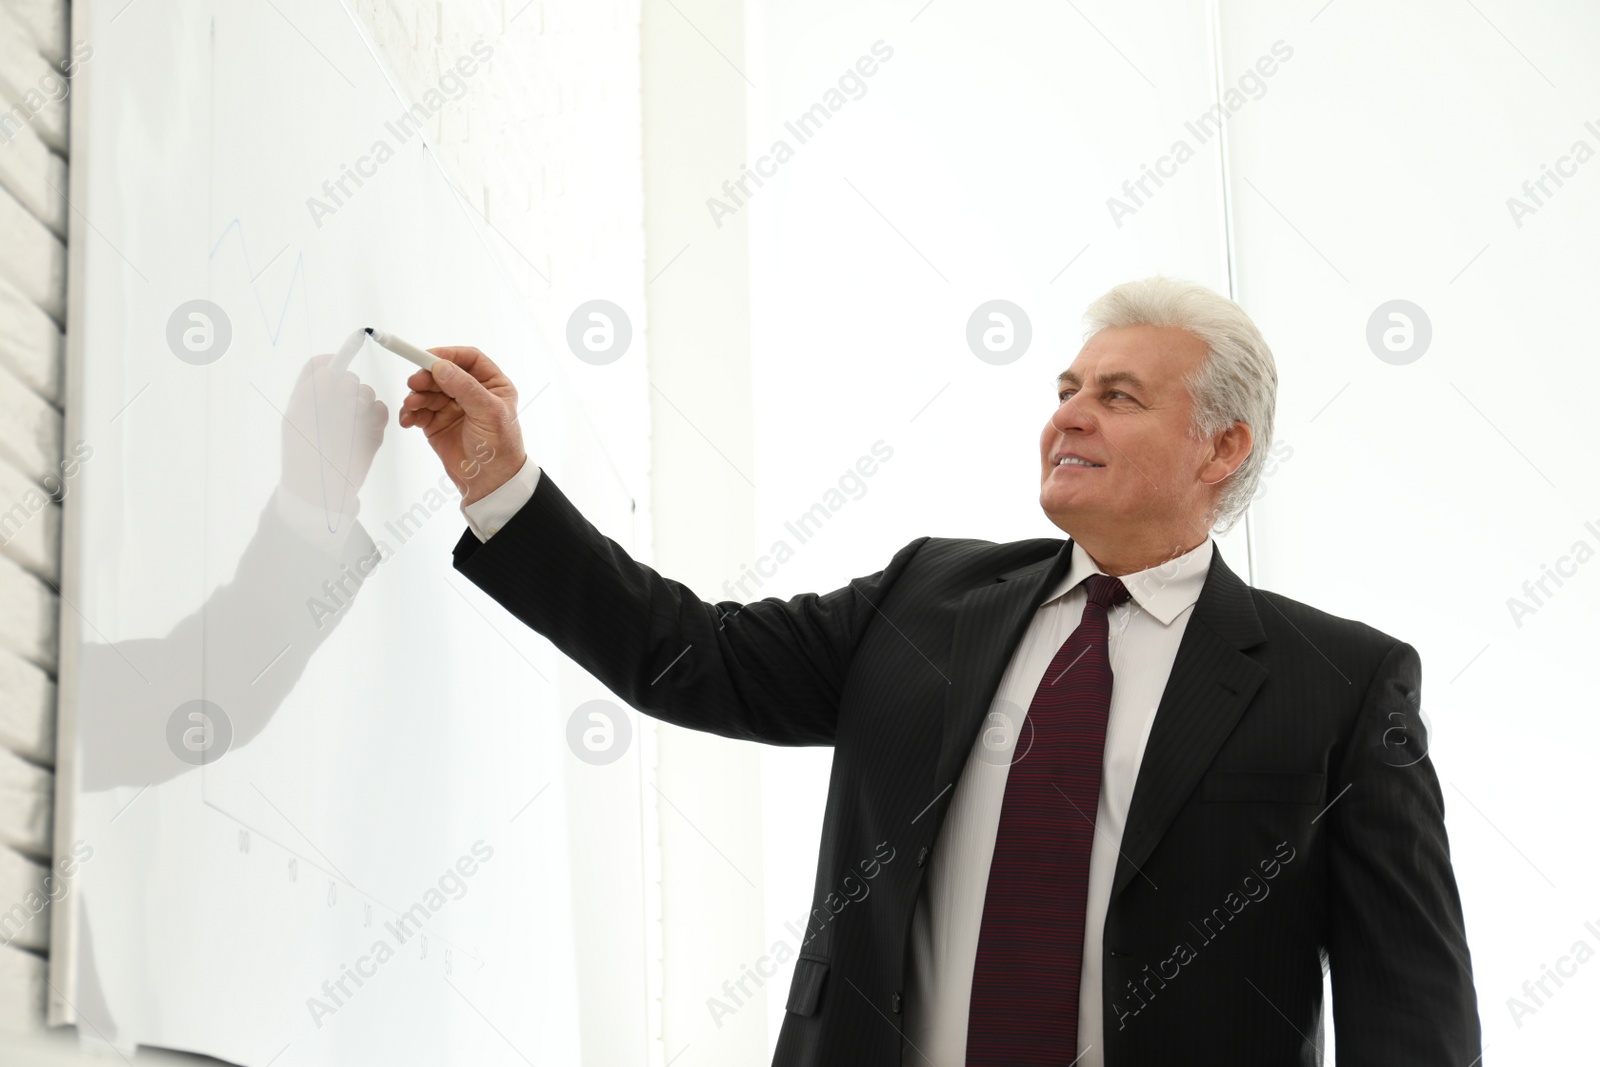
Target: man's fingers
474, 362
427, 401
482, 406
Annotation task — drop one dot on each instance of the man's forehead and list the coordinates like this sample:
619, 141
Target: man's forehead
1132, 355
1109, 375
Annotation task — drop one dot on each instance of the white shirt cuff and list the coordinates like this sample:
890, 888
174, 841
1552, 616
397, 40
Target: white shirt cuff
487, 516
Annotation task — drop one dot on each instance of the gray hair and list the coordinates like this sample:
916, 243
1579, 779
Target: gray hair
1237, 381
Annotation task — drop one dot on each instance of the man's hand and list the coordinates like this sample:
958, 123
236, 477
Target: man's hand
467, 408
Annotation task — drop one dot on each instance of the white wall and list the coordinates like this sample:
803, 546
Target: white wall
698, 311
1420, 496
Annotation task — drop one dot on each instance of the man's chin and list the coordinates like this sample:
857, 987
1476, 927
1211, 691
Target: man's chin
1059, 511
1054, 500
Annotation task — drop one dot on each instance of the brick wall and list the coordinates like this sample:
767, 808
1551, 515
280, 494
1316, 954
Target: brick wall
33, 230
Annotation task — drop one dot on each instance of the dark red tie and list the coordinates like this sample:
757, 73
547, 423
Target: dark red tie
1024, 1009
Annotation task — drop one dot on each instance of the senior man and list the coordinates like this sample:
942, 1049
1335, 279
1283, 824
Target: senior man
1143, 806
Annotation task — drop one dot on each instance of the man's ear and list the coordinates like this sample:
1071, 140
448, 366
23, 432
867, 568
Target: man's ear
1229, 450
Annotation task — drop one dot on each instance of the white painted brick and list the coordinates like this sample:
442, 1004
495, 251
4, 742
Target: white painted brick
27, 709
27, 794
22, 988
31, 345
24, 901
31, 82
32, 258
30, 429
36, 176
28, 623
47, 22
33, 227
30, 524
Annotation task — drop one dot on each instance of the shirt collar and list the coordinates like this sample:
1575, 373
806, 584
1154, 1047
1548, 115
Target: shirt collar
1164, 590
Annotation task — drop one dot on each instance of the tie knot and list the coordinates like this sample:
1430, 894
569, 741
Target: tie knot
1105, 590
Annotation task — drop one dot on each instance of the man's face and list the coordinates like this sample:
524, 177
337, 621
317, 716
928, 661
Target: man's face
1123, 407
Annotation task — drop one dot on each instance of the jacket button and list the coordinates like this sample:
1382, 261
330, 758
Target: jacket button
922, 857
894, 1003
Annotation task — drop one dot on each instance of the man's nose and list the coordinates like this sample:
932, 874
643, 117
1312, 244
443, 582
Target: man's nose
1071, 416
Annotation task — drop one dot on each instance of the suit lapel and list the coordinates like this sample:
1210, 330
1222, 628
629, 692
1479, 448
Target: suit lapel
990, 621
1211, 683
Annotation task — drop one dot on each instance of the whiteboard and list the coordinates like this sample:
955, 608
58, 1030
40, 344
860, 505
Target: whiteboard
312, 779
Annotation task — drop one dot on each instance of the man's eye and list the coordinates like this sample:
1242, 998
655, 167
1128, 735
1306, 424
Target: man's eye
1061, 397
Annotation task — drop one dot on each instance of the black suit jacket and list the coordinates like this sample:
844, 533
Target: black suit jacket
1281, 821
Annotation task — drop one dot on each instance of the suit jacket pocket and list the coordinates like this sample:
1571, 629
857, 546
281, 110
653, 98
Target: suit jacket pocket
1262, 787
805, 992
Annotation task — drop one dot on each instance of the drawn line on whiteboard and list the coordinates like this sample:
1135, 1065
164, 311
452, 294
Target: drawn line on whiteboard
302, 834
328, 513
299, 272
274, 335
309, 862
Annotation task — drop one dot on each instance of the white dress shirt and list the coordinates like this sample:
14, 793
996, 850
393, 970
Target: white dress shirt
1143, 637
486, 516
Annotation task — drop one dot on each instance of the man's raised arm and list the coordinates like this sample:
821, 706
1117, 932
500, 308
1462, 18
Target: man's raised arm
769, 671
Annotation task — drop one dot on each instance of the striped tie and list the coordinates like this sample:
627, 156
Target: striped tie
1024, 1009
